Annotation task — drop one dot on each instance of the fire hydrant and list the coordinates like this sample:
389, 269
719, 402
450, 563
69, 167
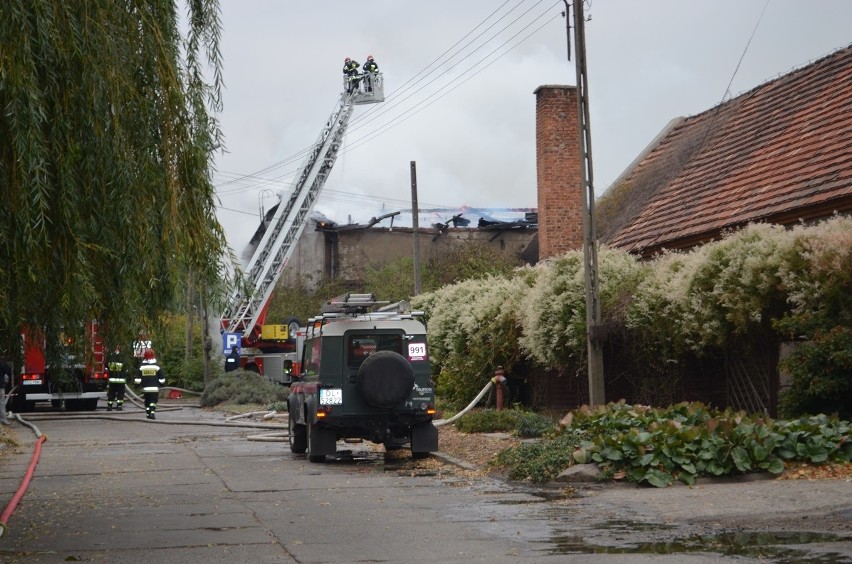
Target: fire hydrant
498, 380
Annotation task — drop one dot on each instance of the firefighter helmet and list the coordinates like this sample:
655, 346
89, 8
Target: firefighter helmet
148, 355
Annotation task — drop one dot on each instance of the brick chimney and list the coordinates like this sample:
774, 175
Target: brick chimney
560, 214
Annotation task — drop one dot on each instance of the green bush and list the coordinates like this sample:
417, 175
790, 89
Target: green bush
488, 421
682, 442
532, 425
821, 371
242, 387
520, 423
541, 461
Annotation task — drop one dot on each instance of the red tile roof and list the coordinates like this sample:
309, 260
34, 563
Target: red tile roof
779, 153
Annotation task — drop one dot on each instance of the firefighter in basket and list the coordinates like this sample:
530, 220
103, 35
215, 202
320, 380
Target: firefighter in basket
117, 382
151, 377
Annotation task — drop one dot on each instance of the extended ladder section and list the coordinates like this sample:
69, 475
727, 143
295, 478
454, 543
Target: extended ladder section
247, 304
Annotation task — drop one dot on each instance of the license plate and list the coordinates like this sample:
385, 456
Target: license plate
331, 397
31, 382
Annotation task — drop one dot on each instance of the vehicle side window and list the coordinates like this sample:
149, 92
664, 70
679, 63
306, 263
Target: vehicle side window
312, 358
359, 347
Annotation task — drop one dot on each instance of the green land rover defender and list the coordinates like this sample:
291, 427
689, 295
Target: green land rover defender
364, 375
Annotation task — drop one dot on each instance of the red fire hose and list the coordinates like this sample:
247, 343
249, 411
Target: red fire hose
22, 489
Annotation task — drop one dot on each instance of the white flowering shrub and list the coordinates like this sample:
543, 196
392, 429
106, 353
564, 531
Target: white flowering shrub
818, 276
818, 280
554, 311
553, 315
762, 278
473, 327
737, 287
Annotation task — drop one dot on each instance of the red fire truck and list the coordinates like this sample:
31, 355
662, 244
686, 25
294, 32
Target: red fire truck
77, 385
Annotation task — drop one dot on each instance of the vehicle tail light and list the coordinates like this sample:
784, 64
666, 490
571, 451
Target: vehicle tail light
430, 409
30, 377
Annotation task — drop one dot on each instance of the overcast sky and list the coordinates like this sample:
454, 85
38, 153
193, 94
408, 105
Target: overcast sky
459, 81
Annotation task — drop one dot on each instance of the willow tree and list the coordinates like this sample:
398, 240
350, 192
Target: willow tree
107, 130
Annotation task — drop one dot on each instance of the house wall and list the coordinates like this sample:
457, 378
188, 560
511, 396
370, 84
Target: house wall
560, 216
345, 253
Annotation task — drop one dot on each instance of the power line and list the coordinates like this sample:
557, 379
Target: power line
238, 183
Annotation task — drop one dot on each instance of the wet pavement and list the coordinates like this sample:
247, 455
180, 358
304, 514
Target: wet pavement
190, 488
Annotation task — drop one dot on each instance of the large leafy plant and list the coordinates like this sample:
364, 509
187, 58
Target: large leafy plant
688, 440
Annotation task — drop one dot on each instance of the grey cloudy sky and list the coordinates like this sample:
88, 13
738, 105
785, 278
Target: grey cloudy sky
459, 81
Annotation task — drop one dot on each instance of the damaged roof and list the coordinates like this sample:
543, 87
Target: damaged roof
780, 153
441, 219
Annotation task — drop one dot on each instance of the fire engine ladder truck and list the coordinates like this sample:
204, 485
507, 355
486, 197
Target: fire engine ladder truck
246, 309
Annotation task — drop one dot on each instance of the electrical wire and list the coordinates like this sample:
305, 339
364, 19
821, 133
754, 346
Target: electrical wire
239, 182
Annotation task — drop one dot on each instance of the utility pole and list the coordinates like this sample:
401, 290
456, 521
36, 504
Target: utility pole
415, 222
590, 251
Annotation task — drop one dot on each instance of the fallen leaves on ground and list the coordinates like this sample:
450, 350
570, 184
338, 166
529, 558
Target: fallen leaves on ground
804, 471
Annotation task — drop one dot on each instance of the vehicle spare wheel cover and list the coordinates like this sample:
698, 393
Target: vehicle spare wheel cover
385, 379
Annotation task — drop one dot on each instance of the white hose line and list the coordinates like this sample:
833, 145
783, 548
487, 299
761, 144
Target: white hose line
470, 406
27, 424
81, 415
249, 414
269, 437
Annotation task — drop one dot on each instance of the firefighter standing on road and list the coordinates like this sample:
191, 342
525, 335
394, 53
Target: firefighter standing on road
117, 370
151, 377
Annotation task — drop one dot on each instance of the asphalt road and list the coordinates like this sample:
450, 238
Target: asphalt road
187, 488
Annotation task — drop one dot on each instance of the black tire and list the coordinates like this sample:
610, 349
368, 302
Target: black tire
420, 455
311, 456
293, 325
385, 379
298, 436
90, 404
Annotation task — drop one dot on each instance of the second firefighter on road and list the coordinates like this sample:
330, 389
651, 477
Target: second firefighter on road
151, 377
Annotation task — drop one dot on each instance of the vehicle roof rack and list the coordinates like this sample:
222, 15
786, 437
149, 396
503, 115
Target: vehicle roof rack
352, 303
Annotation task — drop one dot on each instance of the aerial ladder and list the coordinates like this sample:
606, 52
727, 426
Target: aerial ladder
245, 312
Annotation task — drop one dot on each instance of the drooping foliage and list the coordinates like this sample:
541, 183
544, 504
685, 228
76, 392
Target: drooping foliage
106, 136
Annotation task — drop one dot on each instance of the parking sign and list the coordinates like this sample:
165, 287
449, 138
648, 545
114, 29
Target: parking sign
231, 341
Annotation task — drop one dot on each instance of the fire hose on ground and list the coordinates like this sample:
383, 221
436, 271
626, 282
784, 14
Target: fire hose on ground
28, 475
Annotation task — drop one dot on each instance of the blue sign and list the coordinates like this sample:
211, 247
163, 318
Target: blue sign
231, 341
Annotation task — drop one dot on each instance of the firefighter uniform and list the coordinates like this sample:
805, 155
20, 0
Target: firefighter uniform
151, 377
117, 371
370, 69
350, 71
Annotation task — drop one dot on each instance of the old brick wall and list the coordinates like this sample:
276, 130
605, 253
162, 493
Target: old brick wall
560, 216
